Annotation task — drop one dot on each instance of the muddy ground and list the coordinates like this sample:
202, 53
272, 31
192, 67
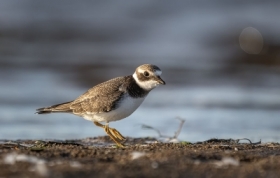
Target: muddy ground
143, 157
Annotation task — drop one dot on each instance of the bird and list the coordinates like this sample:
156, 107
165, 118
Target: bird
112, 100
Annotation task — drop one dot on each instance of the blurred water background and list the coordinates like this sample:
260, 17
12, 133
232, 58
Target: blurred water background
220, 60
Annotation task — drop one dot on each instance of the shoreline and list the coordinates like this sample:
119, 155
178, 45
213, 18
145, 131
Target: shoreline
98, 157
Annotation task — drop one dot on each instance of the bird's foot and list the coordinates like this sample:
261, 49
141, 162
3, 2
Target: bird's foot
115, 135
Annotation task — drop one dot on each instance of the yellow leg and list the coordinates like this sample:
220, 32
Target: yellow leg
115, 135
98, 124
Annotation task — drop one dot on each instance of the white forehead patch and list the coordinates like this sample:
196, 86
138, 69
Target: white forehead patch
158, 72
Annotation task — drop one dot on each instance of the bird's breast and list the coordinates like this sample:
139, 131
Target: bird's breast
126, 107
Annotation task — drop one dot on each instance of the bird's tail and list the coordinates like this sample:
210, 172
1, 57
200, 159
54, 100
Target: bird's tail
63, 107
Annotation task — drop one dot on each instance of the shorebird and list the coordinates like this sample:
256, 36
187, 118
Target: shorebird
112, 100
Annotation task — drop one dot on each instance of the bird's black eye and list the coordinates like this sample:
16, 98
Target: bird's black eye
146, 74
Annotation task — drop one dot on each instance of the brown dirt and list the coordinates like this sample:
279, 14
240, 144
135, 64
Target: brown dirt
143, 157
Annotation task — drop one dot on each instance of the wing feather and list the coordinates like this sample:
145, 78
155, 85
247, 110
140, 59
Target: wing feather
101, 98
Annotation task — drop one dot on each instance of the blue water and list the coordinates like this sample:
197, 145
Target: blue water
53, 52
209, 112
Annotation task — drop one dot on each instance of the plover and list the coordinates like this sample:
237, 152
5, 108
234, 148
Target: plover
112, 100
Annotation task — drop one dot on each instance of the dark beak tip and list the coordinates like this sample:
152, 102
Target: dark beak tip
162, 82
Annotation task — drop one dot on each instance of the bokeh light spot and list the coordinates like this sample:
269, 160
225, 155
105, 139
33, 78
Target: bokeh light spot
251, 40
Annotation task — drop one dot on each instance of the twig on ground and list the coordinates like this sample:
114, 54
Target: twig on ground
182, 121
229, 141
259, 142
177, 133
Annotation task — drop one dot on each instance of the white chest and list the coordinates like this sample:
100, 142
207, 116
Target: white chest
126, 108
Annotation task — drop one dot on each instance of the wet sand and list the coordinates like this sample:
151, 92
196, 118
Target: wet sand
142, 157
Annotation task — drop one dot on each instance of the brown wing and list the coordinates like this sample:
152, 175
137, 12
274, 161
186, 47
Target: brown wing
101, 98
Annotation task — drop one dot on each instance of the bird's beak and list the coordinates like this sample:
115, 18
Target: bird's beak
160, 80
